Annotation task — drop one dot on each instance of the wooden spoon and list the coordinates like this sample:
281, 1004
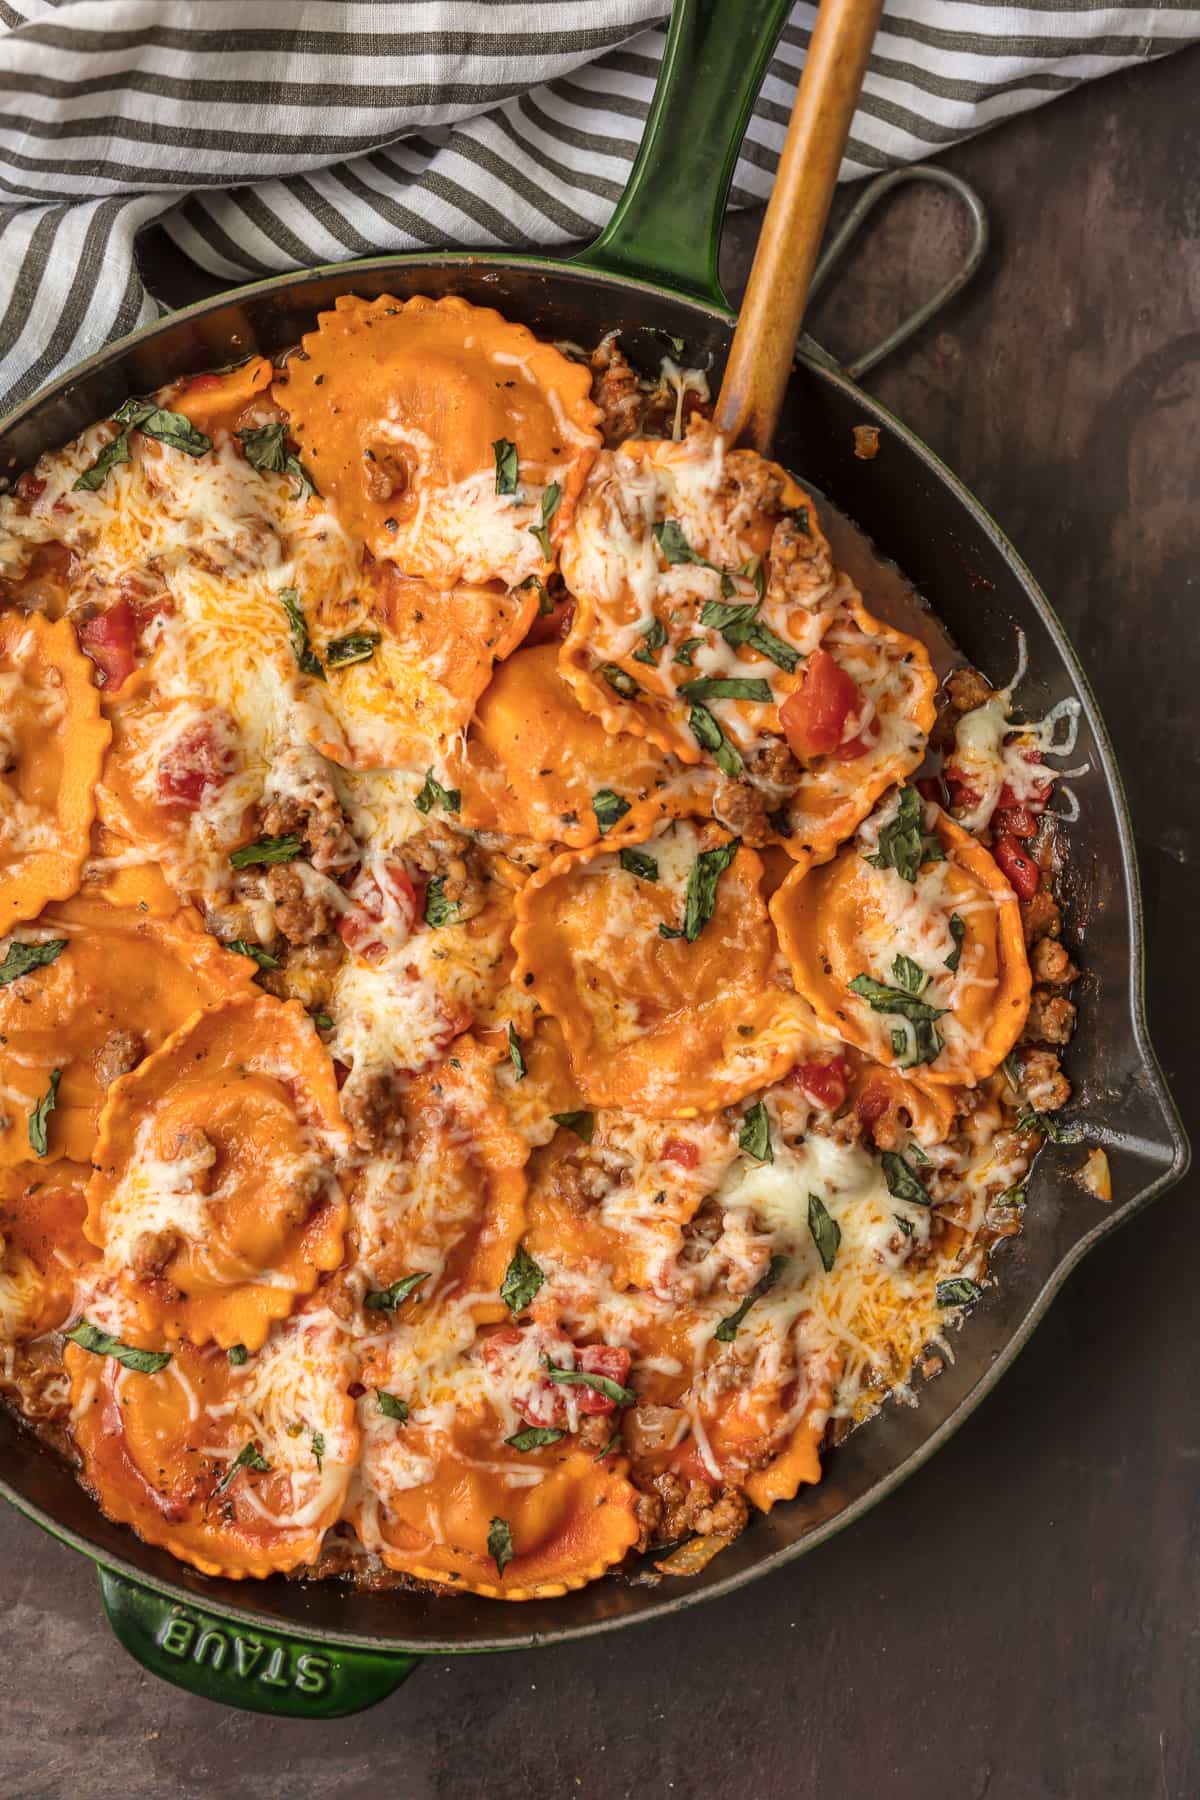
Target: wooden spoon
764, 343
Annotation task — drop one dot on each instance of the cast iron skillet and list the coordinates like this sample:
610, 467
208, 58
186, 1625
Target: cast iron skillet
318, 1650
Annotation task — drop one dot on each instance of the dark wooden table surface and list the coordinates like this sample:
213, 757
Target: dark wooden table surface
1022, 1620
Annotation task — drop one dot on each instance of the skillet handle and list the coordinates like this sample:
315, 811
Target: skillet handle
257, 1670
667, 225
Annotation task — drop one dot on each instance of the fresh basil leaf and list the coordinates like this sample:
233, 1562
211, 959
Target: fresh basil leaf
434, 794
755, 1135
916, 1152
709, 736
653, 638
583, 1124
727, 1328
611, 1445
318, 1449
522, 1282
741, 625
170, 428
636, 862
515, 1053
902, 1184
355, 647
20, 958
267, 850
550, 503
265, 447
1013, 1196
619, 680
90, 1337
507, 466
703, 881
675, 546
608, 808
903, 845
439, 910
300, 475
114, 452
256, 953
602, 1384
959, 1292
752, 570
248, 1457
918, 1043
1012, 1071
826, 1232
391, 1407
545, 598
323, 1021
884, 999
238, 1355
41, 1113
388, 1299
909, 975
535, 1437
686, 650
717, 687
1031, 1120
958, 932
500, 1544
306, 657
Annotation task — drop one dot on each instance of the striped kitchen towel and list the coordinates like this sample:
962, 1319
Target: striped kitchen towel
265, 135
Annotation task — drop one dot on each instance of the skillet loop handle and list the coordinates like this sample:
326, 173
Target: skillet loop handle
872, 194
257, 1669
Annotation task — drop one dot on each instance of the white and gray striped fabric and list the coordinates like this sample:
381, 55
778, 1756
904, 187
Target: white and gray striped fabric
266, 135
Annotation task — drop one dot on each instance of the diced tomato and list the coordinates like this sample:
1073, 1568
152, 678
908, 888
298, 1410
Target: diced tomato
1017, 864
398, 902
539, 1400
549, 627
814, 717
823, 1082
110, 639
196, 763
963, 797
1036, 795
1014, 821
871, 1105
30, 486
679, 1150
860, 743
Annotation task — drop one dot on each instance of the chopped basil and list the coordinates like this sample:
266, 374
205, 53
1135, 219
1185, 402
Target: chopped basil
1031, 1120
390, 1407
534, 1437
706, 873
884, 999
1013, 1196
515, 1053
41, 1113
522, 1282
323, 1021
826, 1232
238, 1355
583, 1124
434, 794
742, 625
602, 1384
727, 1329
653, 638
388, 1299
1012, 1071
114, 452
267, 850
684, 653
608, 808
709, 736
355, 647
318, 1449
752, 570
755, 1135
507, 466
20, 958
170, 428
959, 1292
636, 862
550, 500
265, 449
612, 1444
902, 1183
619, 680
90, 1337
736, 687
916, 1152
248, 1457
903, 845
255, 952
439, 910
306, 657
500, 1544
545, 600
675, 546
909, 975
958, 932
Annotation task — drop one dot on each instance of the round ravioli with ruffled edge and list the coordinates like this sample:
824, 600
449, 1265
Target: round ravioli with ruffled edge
42, 1247
214, 1192
449, 1204
405, 663
859, 722
701, 581
659, 962
449, 439
920, 961
536, 765
52, 744
103, 986
446, 1497
237, 1468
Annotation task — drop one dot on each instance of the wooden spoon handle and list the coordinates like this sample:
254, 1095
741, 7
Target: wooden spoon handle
764, 344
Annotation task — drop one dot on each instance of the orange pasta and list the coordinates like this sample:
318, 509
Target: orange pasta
42, 1247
